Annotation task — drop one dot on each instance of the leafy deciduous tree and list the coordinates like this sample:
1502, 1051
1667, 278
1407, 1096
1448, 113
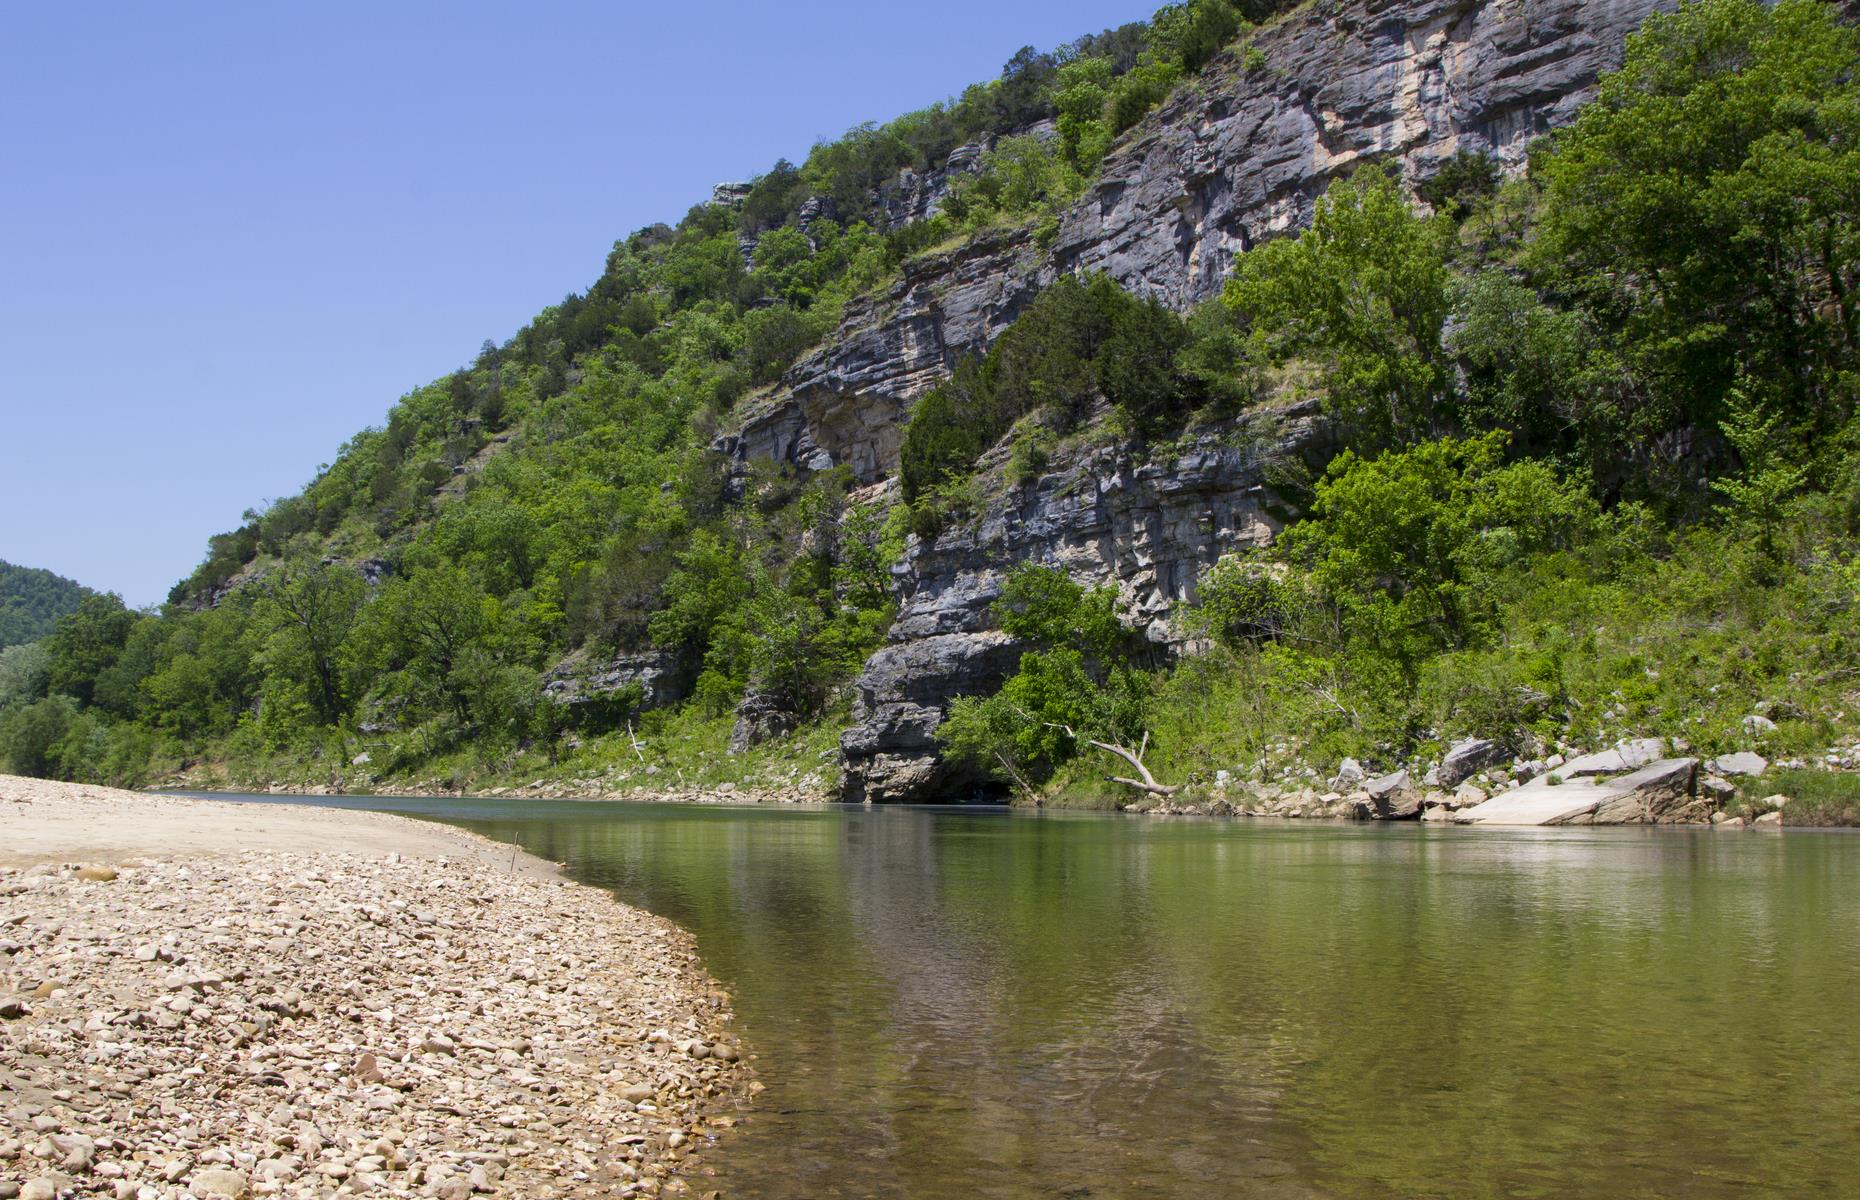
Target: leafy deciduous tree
1364, 293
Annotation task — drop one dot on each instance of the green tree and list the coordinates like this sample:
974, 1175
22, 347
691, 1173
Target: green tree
1081, 340
774, 339
1363, 293
1136, 366
1043, 716
1025, 173
1758, 492
788, 662
1403, 548
1214, 362
862, 568
25, 672
1084, 87
1243, 600
31, 601
85, 644
1705, 205
305, 615
1192, 33
205, 681
1045, 606
496, 538
1461, 184
1075, 684
118, 689
31, 736
708, 584
1537, 370
434, 628
775, 198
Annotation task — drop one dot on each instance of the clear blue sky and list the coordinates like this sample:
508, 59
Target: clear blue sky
232, 234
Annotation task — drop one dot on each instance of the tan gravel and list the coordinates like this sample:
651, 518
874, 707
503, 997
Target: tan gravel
214, 1000
42, 821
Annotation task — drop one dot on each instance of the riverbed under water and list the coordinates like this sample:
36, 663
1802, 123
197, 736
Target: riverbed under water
976, 1003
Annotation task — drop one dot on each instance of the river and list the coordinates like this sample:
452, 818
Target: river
977, 1003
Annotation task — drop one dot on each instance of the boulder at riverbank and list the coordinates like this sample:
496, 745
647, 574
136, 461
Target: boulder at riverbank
1659, 793
253, 1000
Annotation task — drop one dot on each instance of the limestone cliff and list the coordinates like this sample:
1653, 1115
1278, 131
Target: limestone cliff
1240, 156
1106, 515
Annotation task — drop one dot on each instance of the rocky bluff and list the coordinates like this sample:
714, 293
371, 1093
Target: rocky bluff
1239, 157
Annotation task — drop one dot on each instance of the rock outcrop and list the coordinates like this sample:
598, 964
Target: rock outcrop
1243, 158
1239, 157
1393, 797
1149, 528
890, 753
854, 397
760, 718
1466, 758
654, 678
1630, 755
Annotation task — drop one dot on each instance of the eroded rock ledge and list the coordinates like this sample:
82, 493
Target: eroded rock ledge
1106, 516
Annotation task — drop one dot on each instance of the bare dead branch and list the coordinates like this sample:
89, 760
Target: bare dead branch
1135, 759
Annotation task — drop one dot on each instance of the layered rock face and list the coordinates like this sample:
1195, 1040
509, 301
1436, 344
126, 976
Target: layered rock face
1148, 527
1239, 157
848, 403
1243, 158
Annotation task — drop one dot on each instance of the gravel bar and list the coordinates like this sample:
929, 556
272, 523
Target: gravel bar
254, 1000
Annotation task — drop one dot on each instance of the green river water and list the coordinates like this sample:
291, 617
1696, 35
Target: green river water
973, 1003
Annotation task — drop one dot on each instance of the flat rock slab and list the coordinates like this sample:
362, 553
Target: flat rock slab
1659, 791
1628, 756
1536, 803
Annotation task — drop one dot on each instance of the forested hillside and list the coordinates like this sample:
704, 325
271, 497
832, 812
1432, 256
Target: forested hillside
1597, 473
31, 600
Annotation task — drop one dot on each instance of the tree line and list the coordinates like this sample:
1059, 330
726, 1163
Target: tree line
1644, 344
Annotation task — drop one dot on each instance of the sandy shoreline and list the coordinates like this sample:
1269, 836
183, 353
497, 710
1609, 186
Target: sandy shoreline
208, 999
55, 822
719, 796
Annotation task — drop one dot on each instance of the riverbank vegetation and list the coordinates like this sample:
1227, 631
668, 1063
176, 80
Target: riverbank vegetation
1600, 482
1603, 474
558, 502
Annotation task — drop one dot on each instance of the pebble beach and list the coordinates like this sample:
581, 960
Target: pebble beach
207, 1000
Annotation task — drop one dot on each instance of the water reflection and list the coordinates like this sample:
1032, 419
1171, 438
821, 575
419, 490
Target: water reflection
961, 1003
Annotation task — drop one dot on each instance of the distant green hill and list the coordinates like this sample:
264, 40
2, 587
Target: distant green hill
32, 600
